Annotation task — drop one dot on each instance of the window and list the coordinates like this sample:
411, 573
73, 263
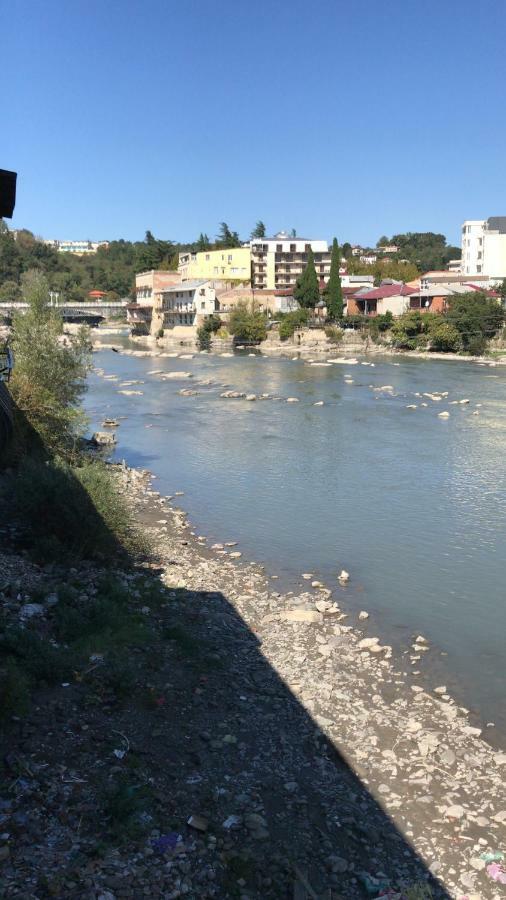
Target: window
215, 270
307, 248
478, 268
292, 248
279, 248
229, 258
479, 254
207, 256
203, 304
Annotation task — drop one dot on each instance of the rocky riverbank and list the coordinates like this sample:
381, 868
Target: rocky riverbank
256, 744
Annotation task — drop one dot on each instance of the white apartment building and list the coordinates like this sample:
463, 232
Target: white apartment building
79, 248
277, 262
484, 247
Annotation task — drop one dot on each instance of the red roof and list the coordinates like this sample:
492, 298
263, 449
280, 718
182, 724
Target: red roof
386, 290
97, 293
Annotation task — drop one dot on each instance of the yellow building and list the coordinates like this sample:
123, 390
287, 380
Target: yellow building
231, 264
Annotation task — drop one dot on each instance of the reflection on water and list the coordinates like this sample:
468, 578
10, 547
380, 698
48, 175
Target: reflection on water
412, 505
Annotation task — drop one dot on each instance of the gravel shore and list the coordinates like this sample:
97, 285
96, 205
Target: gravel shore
285, 754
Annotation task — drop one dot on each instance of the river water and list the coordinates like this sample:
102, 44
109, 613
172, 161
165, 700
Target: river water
412, 505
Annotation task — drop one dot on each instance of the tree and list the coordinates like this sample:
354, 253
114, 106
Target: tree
306, 290
346, 250
293, 233
477, 317
10, 292
10, 257
226, 237
501, 290
247, 323
383, 241
333, 290
49, 376
259, 230
445, 338
203, 243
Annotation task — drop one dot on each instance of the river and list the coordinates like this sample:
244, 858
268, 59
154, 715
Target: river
410, 504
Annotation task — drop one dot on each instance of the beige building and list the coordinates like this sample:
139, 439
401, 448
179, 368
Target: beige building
147, 284
232, 264
277, 262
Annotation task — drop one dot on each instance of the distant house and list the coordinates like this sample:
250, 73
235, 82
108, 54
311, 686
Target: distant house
368, 259
388, 297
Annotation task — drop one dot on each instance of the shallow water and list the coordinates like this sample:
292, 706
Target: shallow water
413, 506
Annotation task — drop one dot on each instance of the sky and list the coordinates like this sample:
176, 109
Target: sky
356, 119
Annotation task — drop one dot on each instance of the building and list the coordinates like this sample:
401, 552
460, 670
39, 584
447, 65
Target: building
186, 303
357, 281
147, 284
484, 247
232, 264
388, 248
447, 279
79, 248
368, 259
277, 262
390, 296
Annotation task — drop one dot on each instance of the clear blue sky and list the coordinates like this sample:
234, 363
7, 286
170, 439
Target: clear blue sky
351, 118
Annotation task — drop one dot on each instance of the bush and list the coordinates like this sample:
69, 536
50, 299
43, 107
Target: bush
477, 317
248, 323
210, 326
71, 512
291, 321
334, 334
445, 338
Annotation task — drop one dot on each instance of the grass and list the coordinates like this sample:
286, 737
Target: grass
67, 513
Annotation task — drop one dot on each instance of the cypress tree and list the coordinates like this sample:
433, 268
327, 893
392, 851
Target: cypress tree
333, 290
307, 291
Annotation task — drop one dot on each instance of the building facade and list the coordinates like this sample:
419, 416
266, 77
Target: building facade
79, 248
186, 303
484, 247
232, 264
277, 262
148, 284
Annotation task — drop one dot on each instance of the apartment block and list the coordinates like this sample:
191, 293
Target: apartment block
79, 248
147, 284
484, 247
277, 262
232, 264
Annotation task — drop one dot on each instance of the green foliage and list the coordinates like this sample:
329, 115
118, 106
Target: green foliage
258, 231
426, 250
10, 291
411, 330
248, 323
346, 250
445, 338
291, 321
333, 290
70, 513
210, 326
477, 317
203, 243
307, 291
49, 376
334, 334
383, 268
226, 237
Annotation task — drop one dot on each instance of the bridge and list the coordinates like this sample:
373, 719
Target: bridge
90, 311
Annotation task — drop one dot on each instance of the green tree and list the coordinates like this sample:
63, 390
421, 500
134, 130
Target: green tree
9, 292
477, 317
10, 257
445, 338
247, 323
226, 237
346, 249
333, 290
49, 376
307, 291
203, 243
501, 290
382, 241
259, 230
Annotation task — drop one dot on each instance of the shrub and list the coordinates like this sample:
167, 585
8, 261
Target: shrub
334, 334
445, 338
49, 376
160, 333
291, 321
248, 323
210, 326
71, 512
477, 317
